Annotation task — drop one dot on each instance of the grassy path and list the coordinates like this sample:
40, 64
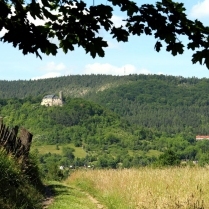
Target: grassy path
66, 197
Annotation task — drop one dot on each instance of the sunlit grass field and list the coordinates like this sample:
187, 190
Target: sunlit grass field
147, 188
43, 149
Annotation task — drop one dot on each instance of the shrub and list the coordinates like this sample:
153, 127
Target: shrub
18, 188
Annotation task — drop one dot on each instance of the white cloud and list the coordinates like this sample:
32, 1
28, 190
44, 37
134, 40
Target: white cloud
2, 32
51, 66
98, 68
200, 10
112, 44
47, 75
118, 21
52, 70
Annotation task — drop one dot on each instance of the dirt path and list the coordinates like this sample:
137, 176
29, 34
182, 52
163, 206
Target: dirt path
61, 194
49, 198
95, 201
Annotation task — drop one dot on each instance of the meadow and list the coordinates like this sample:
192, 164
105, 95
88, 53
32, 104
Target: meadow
146, 188
44, 149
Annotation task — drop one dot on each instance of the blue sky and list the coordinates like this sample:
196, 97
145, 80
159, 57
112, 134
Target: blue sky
136, 56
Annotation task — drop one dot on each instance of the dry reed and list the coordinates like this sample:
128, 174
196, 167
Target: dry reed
169, 188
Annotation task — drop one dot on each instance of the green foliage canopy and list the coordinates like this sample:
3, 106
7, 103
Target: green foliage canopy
168, 158
164, 103
107, 140
73, 23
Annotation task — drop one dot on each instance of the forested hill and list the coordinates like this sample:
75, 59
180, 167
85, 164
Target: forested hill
166, 103
78, 119
83, 85
73, 86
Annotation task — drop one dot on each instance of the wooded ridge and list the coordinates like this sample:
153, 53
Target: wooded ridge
166, 103
138, 118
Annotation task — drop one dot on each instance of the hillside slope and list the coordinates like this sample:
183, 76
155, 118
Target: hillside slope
77, 121
164, 103
103, 138
17, 188
73, 86
168, 104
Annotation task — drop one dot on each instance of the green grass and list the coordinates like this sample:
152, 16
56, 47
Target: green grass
18, 189
113, 201
146, 188
154, 153
44, 149
66, 197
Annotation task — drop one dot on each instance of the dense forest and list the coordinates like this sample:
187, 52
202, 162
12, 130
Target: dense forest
77, 120
73, 86
115, 121
164, 103
168, 104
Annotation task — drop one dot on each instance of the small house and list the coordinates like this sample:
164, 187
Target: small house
202, 137
52, 100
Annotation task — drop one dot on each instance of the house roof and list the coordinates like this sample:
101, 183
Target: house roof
201, 137
50, 96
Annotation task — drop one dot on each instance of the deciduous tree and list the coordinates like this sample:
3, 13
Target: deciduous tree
73, 23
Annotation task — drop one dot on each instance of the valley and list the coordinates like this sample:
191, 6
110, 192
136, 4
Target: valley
112, 124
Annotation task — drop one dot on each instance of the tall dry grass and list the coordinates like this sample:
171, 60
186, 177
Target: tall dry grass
185, 188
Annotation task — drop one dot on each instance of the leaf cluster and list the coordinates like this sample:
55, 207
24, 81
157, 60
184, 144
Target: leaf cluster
72, 23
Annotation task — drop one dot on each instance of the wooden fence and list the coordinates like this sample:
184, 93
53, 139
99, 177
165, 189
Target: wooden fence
14, 141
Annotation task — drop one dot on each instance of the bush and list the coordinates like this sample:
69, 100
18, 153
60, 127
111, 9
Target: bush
168, 158
17, 188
